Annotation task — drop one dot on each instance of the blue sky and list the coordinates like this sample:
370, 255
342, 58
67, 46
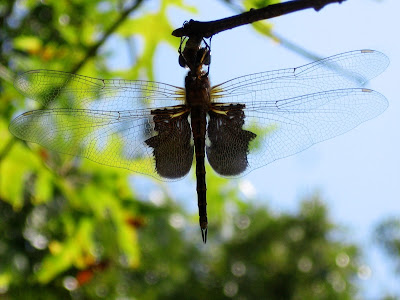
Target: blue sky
358, 173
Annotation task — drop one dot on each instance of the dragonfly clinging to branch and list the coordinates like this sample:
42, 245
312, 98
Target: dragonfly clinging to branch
240, 125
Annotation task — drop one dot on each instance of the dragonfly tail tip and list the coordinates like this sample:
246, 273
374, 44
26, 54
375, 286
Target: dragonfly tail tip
204, 234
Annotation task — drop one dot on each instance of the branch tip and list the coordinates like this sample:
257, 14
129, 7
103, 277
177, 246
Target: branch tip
208, 29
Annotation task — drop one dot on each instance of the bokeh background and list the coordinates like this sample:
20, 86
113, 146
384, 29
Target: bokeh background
323, 224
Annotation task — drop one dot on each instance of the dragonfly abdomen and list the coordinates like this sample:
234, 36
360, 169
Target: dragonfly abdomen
198, 99
199, 122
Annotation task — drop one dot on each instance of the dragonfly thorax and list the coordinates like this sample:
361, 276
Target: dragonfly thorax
197, 91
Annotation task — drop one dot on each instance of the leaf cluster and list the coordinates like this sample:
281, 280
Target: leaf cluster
72, 229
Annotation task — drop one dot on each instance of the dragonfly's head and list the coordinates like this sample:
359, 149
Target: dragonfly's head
195, 55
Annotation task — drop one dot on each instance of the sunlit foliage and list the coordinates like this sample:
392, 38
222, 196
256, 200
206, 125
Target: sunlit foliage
70, 228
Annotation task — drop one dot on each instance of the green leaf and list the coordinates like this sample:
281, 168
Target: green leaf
31, 44
75, 251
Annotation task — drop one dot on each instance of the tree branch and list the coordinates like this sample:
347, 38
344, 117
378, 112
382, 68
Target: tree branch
208, 29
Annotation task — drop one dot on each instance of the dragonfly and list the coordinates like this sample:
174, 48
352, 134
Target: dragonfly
240, 125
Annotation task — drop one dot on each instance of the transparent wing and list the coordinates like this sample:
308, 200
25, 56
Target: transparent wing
107, 121
110, 138
288, 126
66, 90
346, 70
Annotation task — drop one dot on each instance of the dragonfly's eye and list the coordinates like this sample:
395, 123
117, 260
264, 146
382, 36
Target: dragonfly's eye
182, 61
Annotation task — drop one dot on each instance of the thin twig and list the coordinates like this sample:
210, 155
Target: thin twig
93, 49
7, 148
90, 53
284, 42
6, 75
208, 29
297, 48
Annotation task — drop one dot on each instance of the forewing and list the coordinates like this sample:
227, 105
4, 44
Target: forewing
66, 90
346, 70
